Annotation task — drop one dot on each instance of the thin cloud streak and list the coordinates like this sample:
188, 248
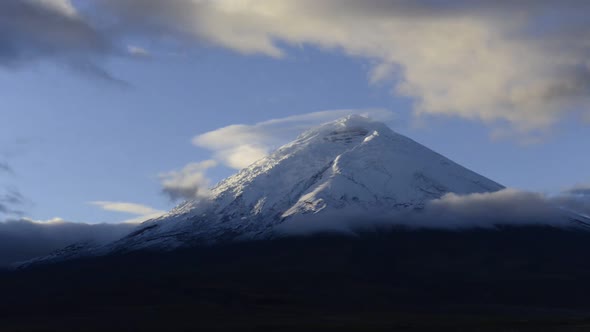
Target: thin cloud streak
143, 212
125, 207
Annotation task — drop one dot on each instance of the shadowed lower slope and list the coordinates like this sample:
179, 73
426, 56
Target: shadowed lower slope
524, 278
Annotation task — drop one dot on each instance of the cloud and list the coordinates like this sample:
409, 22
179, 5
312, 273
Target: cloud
23, 239
5, 168
11, 202
579, 190
575, 199
236, 146
188, 183
131, 208
522, 63
142, 211
508, 206
240, 145
452, 211
34, 30
137, 51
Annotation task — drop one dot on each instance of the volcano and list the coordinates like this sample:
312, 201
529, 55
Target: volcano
352, 166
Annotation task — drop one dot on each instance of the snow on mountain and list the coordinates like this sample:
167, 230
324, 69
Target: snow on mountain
352, 164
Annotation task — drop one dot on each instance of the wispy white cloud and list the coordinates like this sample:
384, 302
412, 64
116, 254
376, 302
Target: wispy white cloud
131, 208
236, 146
142, 218
137, 51
142, 211
63, 7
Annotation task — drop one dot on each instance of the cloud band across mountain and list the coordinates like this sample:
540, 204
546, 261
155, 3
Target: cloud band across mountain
508, 207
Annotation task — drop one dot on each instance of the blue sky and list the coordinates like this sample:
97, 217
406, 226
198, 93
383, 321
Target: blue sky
73, 137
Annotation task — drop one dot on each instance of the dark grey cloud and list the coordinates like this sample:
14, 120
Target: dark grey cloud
34, 30
25, 239
5, 168
91, 69
11, 202
176, 194
188, 183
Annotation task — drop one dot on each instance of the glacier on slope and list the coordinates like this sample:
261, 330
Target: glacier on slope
352, 164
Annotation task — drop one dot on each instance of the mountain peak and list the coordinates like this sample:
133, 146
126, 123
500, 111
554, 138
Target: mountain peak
347, 128
355, 121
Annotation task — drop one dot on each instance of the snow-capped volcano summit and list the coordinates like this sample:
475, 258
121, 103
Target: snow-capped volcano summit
352, 164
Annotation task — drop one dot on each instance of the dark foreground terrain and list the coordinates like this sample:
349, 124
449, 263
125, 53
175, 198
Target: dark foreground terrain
513, 279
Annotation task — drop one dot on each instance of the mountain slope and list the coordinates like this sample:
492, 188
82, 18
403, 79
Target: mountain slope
531, 278
352, 164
